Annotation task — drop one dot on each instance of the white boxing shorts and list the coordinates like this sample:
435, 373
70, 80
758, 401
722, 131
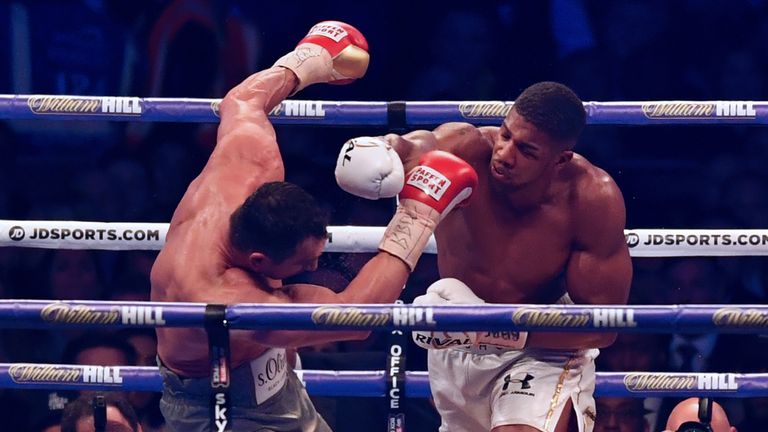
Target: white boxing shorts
474, 391
479, 389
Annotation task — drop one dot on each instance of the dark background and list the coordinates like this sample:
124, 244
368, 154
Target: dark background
671, 176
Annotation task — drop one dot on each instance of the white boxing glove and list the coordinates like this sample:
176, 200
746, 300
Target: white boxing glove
370, 168
454, 291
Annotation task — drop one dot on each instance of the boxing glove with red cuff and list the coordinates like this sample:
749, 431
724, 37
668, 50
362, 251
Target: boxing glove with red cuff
332, 52
440, 182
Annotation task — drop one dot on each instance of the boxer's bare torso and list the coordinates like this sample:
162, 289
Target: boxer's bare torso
539, 225
508, 254
196, 265
199, 264
192, 268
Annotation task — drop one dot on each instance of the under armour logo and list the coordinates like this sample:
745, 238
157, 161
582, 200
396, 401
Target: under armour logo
523, 382
16, 233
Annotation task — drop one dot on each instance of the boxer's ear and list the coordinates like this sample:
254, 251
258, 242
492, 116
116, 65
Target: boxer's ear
564, 156
257, 260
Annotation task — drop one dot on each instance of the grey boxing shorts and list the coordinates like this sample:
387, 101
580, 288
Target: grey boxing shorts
259, 401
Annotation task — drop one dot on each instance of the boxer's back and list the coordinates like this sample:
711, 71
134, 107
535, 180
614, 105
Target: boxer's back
193, 267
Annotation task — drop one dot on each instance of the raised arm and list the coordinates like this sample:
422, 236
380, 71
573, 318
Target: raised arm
456, 138
373, 167
600, 269
246, 153
246, 144
246, 148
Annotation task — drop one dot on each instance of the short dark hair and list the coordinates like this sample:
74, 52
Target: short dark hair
276, 219
553, 108
82, 407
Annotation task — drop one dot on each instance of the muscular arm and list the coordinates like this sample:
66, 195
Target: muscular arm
600, 269
454, 138
246, 153
379, 281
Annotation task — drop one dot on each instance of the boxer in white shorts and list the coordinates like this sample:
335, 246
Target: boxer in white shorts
543, 221
480, 382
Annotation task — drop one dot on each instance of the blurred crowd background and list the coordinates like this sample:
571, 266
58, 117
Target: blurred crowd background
671, 176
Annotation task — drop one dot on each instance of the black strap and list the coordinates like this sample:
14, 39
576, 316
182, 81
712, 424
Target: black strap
396, 120
694, 426
395, 368
705, 410
705, 417
99, 413
218, 344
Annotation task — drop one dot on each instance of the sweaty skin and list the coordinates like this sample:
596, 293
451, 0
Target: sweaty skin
543, 220
198, 264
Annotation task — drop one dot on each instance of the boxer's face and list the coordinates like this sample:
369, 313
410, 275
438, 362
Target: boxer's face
304, 259
522, 153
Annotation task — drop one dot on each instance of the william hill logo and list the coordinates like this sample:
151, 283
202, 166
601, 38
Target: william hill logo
29, 373
102, 105
550, 318
592, 317
662, 382
56, 374
78, 314
289, 108
485, 109
737, 317
349, 316
83, 314
299, 109
693, 110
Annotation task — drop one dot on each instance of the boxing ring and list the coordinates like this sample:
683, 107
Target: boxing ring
393, 383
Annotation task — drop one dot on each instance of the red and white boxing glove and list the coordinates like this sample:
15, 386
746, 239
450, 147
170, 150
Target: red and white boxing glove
454, 291
332, 52
439, 182
370, 168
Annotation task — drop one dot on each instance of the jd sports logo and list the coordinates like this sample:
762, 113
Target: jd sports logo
16, 233
524, 383
632, 239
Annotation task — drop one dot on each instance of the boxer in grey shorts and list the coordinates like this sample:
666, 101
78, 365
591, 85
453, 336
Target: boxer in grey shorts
186, 403
240, 229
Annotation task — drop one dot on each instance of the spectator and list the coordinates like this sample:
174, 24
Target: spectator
102, 349
693, 281
636, 353
73, 275
146, 404
688, 411
79, 415
618, 414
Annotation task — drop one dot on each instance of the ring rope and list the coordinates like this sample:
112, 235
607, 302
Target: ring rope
355, 239
490, 317
372, 383
341, 113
